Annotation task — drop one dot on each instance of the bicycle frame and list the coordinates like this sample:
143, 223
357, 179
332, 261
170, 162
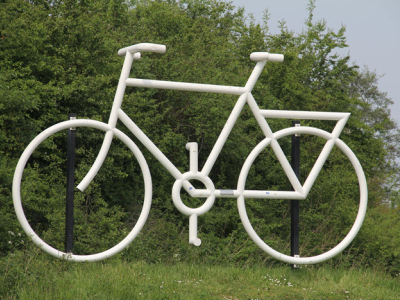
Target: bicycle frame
131, 53
182, 179
245, 96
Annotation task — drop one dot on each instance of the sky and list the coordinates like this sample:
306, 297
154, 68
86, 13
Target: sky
372, 32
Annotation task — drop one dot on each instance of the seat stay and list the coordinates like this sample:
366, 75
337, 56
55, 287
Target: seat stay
319, 163
287, 168
331, 138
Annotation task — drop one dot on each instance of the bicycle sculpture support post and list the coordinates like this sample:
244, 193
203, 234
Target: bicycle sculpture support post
69, 211
239, 193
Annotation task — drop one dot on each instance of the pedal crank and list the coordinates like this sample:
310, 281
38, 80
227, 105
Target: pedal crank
193, 213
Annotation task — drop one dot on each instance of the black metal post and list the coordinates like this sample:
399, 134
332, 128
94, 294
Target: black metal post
69, 219
295, 204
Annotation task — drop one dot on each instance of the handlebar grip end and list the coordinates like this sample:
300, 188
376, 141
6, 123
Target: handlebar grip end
276, 57
136, 56
157, 48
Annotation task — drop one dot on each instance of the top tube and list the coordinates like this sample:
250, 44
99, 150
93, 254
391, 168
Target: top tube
185, 86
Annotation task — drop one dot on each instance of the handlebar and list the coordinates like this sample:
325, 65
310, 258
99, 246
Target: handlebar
158, 48
143, 47
257, 56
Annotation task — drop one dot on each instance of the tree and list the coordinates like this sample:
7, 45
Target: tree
66, 62
62, 60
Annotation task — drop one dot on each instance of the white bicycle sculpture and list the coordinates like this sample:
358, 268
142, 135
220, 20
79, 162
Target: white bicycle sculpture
182, 179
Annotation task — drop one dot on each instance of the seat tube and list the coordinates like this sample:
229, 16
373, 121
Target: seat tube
119, 94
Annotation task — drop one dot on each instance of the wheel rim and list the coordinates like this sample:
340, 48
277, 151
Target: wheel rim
360, 214
17, 190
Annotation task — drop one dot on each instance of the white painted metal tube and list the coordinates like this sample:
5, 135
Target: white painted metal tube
257, 194
321, 158
339, 127
153, 149
254, 75
202, 193
119, 94
185, 86
334, 251
273, 195
303, 115
193, 156
98, 162
17, 191
318, 166
257, 56
176, 194
149, 144
302, 130
260, 119
294, 181
143, 47
249, 162
223, 136
193, 239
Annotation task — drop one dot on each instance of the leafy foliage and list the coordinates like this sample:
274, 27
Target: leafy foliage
60, 57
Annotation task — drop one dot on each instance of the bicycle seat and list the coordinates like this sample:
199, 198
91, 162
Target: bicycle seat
142, 47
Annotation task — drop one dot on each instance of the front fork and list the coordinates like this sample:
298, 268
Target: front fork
193, 213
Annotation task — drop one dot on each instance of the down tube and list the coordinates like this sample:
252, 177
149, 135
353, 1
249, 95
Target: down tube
141, 136
224, 134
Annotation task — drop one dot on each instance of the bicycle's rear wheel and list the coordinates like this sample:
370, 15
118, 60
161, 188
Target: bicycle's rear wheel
362, 190
142, 165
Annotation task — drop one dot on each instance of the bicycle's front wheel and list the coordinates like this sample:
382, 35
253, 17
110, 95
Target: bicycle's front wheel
363, 192
52, 132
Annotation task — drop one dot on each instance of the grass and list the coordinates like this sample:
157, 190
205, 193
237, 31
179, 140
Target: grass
42, 277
